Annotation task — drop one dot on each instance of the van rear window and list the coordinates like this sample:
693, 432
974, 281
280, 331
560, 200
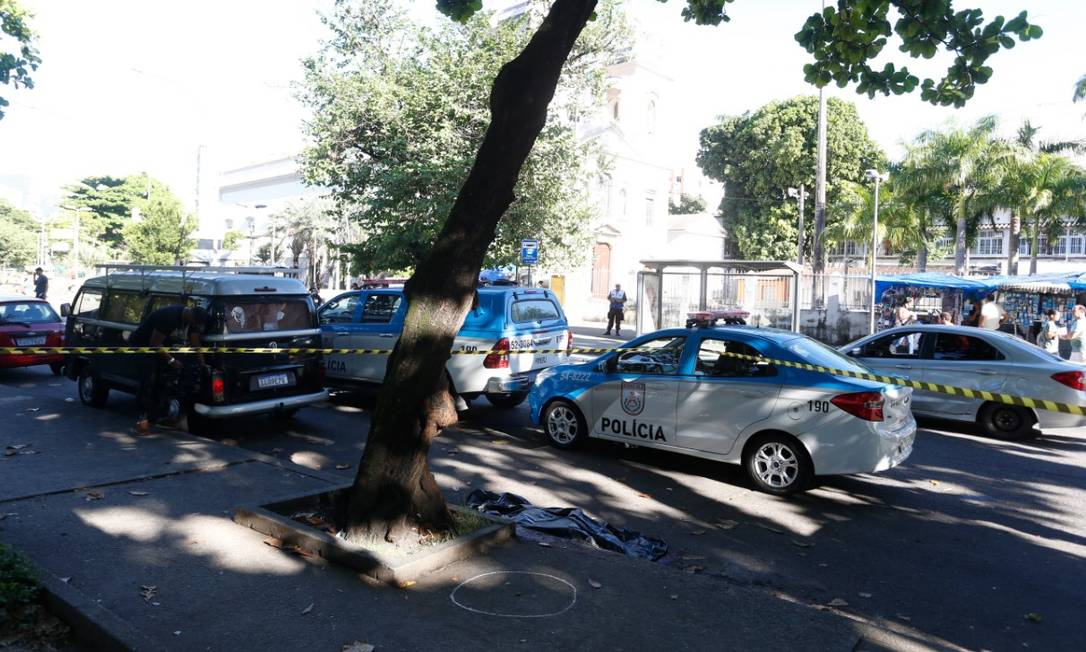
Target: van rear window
534, 310
259, 314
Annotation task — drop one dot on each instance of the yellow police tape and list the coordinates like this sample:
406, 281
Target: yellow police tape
1034, 403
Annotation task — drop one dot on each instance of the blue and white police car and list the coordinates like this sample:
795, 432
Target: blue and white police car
681, 391
507, 318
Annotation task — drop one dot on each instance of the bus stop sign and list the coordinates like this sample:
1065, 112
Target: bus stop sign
529, 252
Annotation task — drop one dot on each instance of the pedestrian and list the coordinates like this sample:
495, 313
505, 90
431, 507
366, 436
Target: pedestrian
1077, 334
992, 315
946, 319
41, 283
157, 330
616, 300
1049, 337
317, 300
541, 284
903, 315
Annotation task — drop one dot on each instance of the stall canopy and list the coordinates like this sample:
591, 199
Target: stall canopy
1078, 282
970, 286
1060, 283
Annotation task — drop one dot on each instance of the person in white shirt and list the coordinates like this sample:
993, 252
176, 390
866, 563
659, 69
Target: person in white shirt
1077, 334
992, 314
1049, 337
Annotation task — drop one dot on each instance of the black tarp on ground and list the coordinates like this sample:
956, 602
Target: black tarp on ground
567, 522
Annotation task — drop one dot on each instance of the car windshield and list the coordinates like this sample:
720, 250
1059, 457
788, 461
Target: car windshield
28, 312
815, 352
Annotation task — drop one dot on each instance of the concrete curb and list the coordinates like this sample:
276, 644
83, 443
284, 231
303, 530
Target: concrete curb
263, 519
92, 624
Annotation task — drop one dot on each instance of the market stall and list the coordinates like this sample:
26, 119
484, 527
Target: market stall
929, 294
1026, 299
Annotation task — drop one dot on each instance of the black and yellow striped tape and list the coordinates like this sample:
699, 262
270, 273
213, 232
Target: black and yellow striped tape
1033, 403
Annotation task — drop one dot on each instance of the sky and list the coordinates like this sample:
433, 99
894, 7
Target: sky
131, 86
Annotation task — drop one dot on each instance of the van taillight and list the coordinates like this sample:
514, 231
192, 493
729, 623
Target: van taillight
218, 388
569, 341
866, 405
498, 360
1073, 379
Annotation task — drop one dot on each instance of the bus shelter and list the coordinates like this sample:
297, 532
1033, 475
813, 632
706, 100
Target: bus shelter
669, 291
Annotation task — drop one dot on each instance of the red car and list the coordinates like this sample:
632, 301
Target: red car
26, 322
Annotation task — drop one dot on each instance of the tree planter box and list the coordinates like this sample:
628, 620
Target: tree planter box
273, 519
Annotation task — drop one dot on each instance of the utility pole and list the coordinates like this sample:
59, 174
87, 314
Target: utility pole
819, 253
877, 176
801, 194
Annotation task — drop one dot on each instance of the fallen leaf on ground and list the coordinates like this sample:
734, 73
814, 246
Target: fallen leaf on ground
28, 452
770, 528
343, 466
694, 568
138, 493
903, 617
16, 447
148, 591
838, 602
66, 579
302, 552
406, 583
1034, 617
274, 543
33, 409
8, 452
357, 646
307, 609
94, 495
801, 544
673, 596
865, 595
641, 495
4, 515
177, 632
499, 442
726, 525
594, 584
697, 532
72, 400
544, 544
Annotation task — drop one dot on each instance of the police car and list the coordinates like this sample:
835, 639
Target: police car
503, 319
684, 390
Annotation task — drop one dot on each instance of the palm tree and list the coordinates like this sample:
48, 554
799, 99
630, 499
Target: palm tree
962, 163
1050, 191
1080, 89
920, 203
1015, 189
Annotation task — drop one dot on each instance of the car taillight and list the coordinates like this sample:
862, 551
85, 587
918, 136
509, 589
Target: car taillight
866, 405
569, 341
1073, 379
5, 340
498, 360
218, 388
54, 339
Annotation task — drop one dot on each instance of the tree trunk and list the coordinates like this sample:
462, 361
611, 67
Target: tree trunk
1012, 245
959, 244
922, 258
1034, 247
394, 491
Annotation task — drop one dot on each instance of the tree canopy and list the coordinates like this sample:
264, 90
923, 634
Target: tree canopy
16, 66
687, 205
759, 155
18, 236
111, 202
399, 110
162, 234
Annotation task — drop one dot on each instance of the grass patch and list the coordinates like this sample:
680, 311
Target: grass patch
23, 617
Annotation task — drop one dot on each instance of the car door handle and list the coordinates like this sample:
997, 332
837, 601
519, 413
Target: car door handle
903, 366
752, 395
986, 372
342, 334
387, 335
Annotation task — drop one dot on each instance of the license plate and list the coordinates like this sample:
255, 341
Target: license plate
31, 341
272, 380
542, 359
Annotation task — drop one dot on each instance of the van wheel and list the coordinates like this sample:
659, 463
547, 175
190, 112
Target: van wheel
564, 425
57, 368
92, 391
778, 464
506, 401
1002, 421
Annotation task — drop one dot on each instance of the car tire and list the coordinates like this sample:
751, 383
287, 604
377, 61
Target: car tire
1007, 422
57, 368
92, 391
778, 464
564, 425
506, 401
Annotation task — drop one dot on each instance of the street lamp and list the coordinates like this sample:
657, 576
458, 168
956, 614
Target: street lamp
800, 194
75, 236
878, 177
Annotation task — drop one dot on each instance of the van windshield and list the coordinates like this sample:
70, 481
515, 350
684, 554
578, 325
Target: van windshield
260, 314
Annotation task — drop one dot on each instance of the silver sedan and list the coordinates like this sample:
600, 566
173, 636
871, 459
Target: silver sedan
977, 359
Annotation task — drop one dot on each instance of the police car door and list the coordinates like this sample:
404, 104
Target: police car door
378, 328
636, 402
337, 318
723, 395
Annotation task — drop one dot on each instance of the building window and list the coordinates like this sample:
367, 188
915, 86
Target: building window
1023, 246
650, 115
988, 244
601, 270
1077, 242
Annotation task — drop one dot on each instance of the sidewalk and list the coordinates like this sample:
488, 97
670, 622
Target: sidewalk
129, 513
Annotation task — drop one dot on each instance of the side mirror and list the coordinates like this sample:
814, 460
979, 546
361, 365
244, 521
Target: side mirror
610, 365
65, 309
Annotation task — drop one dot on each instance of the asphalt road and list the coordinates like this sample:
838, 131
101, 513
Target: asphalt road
972, 543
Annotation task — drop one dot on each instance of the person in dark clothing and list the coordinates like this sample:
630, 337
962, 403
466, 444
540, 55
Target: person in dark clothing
157, 331
41, 283
616, 306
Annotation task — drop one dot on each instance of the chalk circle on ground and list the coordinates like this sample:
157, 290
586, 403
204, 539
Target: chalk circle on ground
515, 594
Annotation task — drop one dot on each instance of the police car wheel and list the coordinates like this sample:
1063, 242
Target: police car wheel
778, 465
1003, 421
506, 401
92, 391
57, 368
564, 425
